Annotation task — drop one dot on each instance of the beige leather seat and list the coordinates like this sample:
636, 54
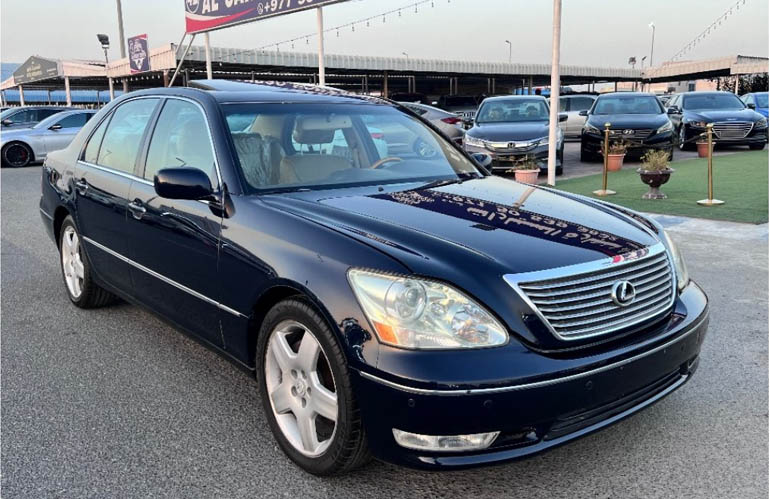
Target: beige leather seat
310, 167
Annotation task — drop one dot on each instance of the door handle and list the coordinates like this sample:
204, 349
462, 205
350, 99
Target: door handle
137, 209
81, 186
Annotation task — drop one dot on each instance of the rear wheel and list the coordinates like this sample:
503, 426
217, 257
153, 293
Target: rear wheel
306, 390
16, 155
76, 271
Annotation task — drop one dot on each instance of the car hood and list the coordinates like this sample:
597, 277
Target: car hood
503, 132
723, 115
483, 222
628, 120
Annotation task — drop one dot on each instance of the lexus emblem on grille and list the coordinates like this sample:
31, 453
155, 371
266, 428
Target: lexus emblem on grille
628, 131
623, 293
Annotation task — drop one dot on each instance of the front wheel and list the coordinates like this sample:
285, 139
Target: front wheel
76, 271
683, 145
306, 390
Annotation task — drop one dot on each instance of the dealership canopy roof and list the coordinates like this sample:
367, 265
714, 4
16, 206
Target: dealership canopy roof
707, 68
51, 72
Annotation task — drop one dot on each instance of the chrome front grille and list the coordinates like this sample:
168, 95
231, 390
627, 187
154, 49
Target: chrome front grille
631, 134
579, 303
732, 129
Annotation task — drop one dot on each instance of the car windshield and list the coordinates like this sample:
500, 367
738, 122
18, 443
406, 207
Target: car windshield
513, 110
699, 102
622, 104
761, 100
311, 146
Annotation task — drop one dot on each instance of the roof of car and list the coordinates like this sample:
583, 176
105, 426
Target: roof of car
226, 91
707, 92
627, 94
517, 97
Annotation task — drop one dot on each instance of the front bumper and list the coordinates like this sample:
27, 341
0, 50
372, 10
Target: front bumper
594, 144
755, 136
504, 160
536, 415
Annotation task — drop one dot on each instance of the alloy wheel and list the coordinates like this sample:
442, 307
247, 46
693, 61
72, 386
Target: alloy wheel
72, 264
301, 388
16, 155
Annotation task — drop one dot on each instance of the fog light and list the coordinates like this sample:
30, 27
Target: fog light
444, 443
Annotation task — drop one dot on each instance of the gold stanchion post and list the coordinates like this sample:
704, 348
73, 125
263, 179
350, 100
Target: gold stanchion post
710, 201
604, 191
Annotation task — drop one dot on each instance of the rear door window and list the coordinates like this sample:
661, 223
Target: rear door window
45, 113
74, 120
123, 137
581, 103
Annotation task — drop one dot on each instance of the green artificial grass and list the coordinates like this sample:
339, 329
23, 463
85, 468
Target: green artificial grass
740, 180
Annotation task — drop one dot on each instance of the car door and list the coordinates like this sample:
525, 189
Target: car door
574, 121
60, 134
674, 111
174, 243
102, 179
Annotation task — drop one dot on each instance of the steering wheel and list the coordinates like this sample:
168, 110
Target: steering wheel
380, 163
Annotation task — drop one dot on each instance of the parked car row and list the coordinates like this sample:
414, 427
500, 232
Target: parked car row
20, 146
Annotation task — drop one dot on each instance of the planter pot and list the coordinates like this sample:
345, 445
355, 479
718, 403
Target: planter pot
615, 162
654, 179
526, 176
703, 149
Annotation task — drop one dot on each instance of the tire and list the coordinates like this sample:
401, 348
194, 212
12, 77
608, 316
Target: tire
587, 157
76, 271
301, 388
16, 155
757, 147
683, 145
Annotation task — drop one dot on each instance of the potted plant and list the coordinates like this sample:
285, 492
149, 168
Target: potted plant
615, 154
703, 147
525, 170
655, 172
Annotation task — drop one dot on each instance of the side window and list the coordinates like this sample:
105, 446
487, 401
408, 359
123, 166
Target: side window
180, 138
564, 105
124, 134
74, 120
23, 116
417, 110
92, 149
581, 103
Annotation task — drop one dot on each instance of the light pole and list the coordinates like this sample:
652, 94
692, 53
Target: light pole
641, 84
510, 51
122, 41
105, 41
555, 87
652, 45
405, 55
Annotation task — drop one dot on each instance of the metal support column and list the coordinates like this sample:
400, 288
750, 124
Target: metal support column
531, 81
385, 84
21, 95
207, 48
555, 86
67, 91
321, 53
111, 85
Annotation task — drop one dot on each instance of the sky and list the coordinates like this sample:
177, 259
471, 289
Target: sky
594, 32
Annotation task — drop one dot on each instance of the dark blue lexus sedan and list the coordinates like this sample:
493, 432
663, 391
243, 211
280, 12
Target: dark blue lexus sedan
390, 296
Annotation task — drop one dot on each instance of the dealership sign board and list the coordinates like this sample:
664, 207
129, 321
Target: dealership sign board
138, 54
207, 15
36, 69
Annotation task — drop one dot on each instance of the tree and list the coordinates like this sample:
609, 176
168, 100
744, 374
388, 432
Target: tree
748, 83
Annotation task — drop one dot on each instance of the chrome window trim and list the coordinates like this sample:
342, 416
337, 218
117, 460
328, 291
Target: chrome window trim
164, 278
514, 281
119, 173
536, 384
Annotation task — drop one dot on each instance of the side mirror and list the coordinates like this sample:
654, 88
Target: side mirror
482, 159
55, 127
6, 122
672, 110
183, 183
562, 117
583, 113
751, 105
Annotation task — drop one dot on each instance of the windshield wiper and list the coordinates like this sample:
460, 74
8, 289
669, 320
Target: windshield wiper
443, 182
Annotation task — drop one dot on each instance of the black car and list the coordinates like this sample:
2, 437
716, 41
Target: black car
406, 304
734, 123
28, 116
510, 128
637, 119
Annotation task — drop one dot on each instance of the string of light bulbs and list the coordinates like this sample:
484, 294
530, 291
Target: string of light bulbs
366, 21
711, 28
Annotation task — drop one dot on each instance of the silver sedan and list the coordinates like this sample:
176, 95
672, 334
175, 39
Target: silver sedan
23, 146
447, 122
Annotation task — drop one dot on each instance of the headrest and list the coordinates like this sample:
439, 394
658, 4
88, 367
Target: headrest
319, 129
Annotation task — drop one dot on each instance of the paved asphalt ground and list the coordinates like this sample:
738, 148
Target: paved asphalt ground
114, 403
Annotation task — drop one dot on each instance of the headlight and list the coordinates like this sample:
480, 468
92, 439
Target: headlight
421, 314
682, 277
698, 124
668, 127
473, 141
761, 123
591, 129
